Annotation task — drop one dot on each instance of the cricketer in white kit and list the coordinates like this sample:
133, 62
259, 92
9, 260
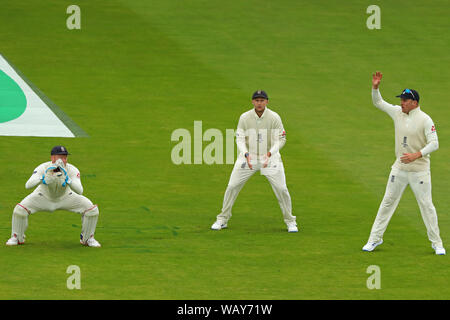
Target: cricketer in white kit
415, 139
58, 188
259, 137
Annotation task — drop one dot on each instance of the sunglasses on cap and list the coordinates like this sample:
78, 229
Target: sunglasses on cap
409, 91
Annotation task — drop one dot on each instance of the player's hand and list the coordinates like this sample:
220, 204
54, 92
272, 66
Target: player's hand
266, 162
48, 177
410, 157
376, 79
248, 161
59, 163
66, 177
67, 181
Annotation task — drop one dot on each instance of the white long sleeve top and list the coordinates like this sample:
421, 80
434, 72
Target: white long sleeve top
259, 135
55, 190
414, 132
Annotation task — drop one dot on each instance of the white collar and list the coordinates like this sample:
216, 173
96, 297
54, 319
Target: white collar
413, 111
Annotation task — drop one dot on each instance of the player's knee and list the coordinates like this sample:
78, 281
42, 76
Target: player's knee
92, 211
388, 200
284, 190
426, 204
280, 188
233, 186
387, 203
20, 211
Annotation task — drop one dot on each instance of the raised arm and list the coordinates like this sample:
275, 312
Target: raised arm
378, 100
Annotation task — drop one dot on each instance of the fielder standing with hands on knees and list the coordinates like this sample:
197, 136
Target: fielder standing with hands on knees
415, 139
259, 137
58, 188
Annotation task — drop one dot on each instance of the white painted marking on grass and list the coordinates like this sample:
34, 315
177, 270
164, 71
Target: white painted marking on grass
38, 120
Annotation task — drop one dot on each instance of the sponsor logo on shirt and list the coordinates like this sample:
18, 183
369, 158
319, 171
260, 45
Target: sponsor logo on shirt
405, 144
260, 138
433, 129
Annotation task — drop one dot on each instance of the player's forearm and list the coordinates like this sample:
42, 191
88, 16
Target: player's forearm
240, 137
378, 102
278, 138
75, 185
277, 146
33, 181
429, 148
377, 99
242, 147
240, 141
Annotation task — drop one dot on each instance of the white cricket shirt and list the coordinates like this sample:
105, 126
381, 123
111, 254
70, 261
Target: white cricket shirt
55, 190
413, 132
259, 135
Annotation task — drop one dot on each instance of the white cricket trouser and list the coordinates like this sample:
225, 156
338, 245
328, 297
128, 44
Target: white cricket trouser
420, 183
71, 201
274, 172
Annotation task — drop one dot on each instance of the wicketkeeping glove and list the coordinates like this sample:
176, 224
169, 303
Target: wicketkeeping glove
66, 177
47, 177
59, 163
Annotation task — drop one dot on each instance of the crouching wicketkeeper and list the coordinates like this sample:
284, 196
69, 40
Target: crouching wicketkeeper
58, 188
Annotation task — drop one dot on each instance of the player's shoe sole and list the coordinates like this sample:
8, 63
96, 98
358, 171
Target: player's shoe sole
292, 228
370, 246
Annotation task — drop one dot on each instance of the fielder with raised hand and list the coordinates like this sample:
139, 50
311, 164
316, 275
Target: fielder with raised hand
259, 137
415, 139
58, 188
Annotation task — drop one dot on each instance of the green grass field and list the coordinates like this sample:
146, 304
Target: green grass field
138, 69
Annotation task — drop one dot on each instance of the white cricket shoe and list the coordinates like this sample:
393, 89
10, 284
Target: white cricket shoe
372, 245
91, 243
218, 225
13, 241
439, 250
292, 227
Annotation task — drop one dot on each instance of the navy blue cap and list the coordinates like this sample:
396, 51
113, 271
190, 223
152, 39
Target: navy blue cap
260, 94
59, 150
409, 94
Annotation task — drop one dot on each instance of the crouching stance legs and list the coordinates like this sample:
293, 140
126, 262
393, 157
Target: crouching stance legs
19, 225
89, 222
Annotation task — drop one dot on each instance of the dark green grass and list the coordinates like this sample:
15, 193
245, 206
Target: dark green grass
139, 70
